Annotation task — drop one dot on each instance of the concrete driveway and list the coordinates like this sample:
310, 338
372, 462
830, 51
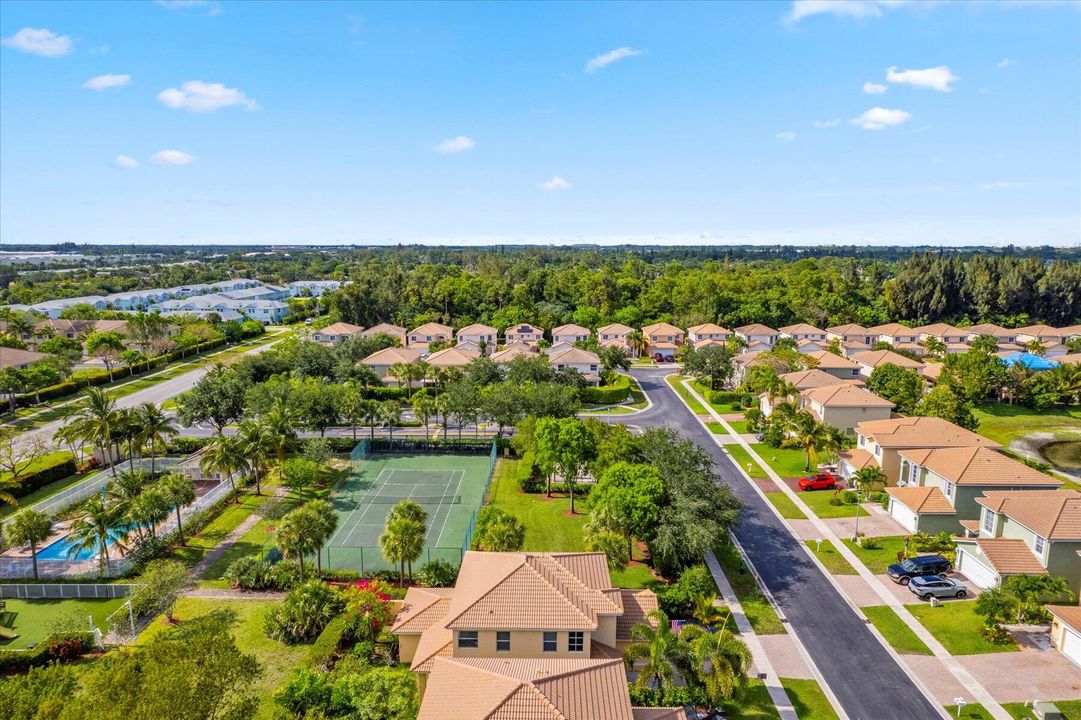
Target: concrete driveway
876, 522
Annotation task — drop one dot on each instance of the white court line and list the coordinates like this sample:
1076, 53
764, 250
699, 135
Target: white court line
358, 507
435, 513
457, 486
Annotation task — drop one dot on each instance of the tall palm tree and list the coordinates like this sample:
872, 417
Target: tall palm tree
402, 541
934, 347
124, 489
410, 511
724, 661
351, 405
257, 443
1034, 591
390, 412
807, 433
29, 527
225, 455
149, 509
125, 431
97, 525
637, 342
155, 429
371, 416
178, 491
281, 421
327, 518
299, 535
95, 419
424, 409
665, 658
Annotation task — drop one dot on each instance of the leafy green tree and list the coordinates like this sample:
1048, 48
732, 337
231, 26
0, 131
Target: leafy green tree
613, 358
256, 442
327, 523
390, 412
1035, 591
159, 586
463, 400
499, 531
713, 363
280, 421
725, 661
382, 693
564, 446
942, 402
300, 474
629, 500
29, 527
148, 510
424, 409
217, 398
901, 386
611, 544
351, 406
316, 404
107, 347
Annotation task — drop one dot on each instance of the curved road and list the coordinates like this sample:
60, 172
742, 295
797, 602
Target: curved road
866, 679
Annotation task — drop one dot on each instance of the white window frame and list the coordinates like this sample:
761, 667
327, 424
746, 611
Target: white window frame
576, 641
949, 489
502, 637
1039, 544
988, 523
554, 637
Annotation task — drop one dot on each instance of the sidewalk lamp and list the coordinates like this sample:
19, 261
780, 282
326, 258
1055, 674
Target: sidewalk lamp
960, 703
856, 536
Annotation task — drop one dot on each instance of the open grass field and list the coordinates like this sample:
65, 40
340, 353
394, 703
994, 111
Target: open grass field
277, 659
956, 625
756, 606
786, 462
897, 634
549, 526
877, 560
819, 502
740, 426
831, 557
808, 700
1003, 423
32, 619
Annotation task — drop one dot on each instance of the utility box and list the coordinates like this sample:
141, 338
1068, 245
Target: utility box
1046, 711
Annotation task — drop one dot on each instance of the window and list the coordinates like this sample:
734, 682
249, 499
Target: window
576, 641
949, 489
1037, 545
914, 474
878, 451
988, 525
550, 642
467, 639
502, 641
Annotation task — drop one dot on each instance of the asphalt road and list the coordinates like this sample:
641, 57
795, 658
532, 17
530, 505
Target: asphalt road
865, 678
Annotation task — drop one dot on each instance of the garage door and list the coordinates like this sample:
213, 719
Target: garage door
1071, 646
981, 575
903, 514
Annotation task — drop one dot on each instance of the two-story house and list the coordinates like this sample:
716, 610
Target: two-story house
570, 334
1042, 333
850, 333
841, 368
584, 361
663, 339
615, 335
868, 361
757, 337
1027, 532
524, 333
880, 443
427, 334
395, 331
707, 334
518, 605
336, 333
955, 339
1002, 336
381, 361
897, 335
452, 357
938, 488
511, 352
802, 331
844, 406
478, 336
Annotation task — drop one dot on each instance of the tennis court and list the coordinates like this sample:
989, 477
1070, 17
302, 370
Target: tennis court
449, 487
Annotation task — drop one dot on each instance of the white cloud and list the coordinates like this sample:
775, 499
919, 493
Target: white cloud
874, 88
878, 118
1001, 185
199, 96
556, 183
1005, 62
101, 82
455, 145
828, 123
125, 162
610, 57
936, 78
787, 136
39, 42
172, 157
212, 6
841, 8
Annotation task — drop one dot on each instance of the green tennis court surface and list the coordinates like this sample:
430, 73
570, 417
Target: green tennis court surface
449, 487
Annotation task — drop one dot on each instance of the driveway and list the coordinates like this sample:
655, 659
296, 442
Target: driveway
876, 522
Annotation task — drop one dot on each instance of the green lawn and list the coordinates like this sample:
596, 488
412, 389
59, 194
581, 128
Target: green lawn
743, 459
974, 711
786, 462
549, 527
756, 606
831, 557
723, 408
1070, 709
254, 542
785, 506
45, 492
897, 634
753, 704
1002, 423
956, 625
878, 560
808, 700
32, 618
676, 383
227, 521
277, 659
716, 428
740, 426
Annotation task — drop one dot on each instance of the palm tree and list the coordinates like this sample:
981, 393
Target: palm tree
807, 433
281, 421
149, 509
327, 518
155, 429
868, 478
724, 661
1067, 380
298, 535
399, 372
224, 454
665, 657
706, 611
123, 490
402, 540
125, 431
637, 342
410, 511
935, 347
424, 408
256, 443
94, 421
1034, 591
29, 527
390, 412
96, 523
178, 490
836, 441
371, 416
351, 405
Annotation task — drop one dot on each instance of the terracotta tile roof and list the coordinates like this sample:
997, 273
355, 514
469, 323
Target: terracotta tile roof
432, 328
512, 351
615, 329
656, 713
384, 329
10, 357
988, 329
921, 432
1038, 330
574, 356
978, 466
1068, 615
435, 642
749, 358
928, 500
708, 342
422, 608
972, 526
931, 370
1052, 514
340, 328
392, 355
756, 329
571, 329
1071, 359
891, 329
637, 604
857, 459
826, 359
844, 395
524, 329
708, 329
661, 328
1008, 556
452, 357
600, 651
874, 358
938, 330
802, 329
804, 379
589, 567
1069, 331
476, 329
849, 329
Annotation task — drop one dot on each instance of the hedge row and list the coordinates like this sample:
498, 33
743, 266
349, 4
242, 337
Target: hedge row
393, 393
617, 392
51, 471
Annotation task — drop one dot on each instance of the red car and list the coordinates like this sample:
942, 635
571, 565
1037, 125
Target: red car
825, 481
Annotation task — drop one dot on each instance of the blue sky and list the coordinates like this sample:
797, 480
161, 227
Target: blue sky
198, 122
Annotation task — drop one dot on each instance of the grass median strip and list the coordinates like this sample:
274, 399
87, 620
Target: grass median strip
808, 700
877, 559
785, 506
831, 557
756, 606
676, 383
743, 459
897, 634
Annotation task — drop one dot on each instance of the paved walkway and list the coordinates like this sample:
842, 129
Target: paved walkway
232, 538
978, 692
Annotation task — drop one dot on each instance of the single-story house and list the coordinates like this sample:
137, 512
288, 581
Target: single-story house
757, 334
1066, 630
395, 331
570, 334
524, 333
871, 359
803, 331
584, 361
1027, 532
478, 335
707, 331
336, 333
381, 361
884, 440
428, 333
513, 351
844, 406
18, 358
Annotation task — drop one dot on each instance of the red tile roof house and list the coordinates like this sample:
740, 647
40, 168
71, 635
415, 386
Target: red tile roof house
584, 361
524, 333
757, 336
663, 338
803, 331
336, 333
615, 334
395, 331
570, 334
850, 333
473, 336
427, 334
701, 334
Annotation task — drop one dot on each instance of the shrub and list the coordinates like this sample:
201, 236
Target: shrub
367, 609
725, 397
836, 501
306, 691
438, 573
995, 634
617, 392
849, 497
185, 445
529, 477
249, 573
677, 599
276, 508
46, 470
383, 393
870, 543
325, 648
879, 496
304, 613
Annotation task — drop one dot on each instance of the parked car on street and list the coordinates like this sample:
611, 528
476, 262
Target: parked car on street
927, 586
822, 481
903, 572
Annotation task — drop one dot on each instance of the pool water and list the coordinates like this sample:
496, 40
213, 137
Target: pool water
58, 550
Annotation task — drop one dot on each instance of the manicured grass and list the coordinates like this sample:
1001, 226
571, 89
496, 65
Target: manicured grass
897, 634
43, 493
724, 408
740, 426
808, 700
1070, 709
276, 659
254, 542
756, 606
601, 410
676, 383
975, 711
231, 516
716, 428
831, 557
753, 704
743, 459
819, 502
1003, 423
956, 625
878, 560
785, 506
32, 619
786, 462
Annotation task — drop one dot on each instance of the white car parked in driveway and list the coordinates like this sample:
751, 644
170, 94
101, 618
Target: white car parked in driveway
927, 586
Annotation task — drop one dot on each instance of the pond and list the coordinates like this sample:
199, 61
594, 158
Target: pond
1064, 454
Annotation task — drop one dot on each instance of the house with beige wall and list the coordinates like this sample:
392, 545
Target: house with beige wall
570, 334
663, 338
757, 336
427, 334
840, 367
1002, 336
476, 336
1043, 333
614, 334
585, 362
868, 361
381, 361
336, 333
395, 331
452, 357
1066, 630
955, 339
844, 406
850, 333
707, 331
524, 333
802, 331
895, 334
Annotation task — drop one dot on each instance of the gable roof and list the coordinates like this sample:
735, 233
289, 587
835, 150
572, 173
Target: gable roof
340, 328
813, 378
844, 395
938, 329
615, 329
708, 329
574, 356
978, 466
1069, 615
512, 351
756, 329
661, 328
10, 357
826, 359
421, 608
874, 358
455, 356
802, 329
392, 355
921, 432
1070, 359
432, 328
384, 329
637, 605
891, 329
524, 328
476, 329
988, 329
1008, 556
1053, 514
847, 329
928, 500
571, 329
1038, 330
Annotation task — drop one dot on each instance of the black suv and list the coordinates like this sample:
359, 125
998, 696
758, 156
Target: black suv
902, 572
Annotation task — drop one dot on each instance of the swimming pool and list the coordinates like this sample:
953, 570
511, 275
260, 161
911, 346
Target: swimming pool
58, 550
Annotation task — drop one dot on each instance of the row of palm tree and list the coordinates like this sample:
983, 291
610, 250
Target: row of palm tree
109, 429
802, 430
306, 530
